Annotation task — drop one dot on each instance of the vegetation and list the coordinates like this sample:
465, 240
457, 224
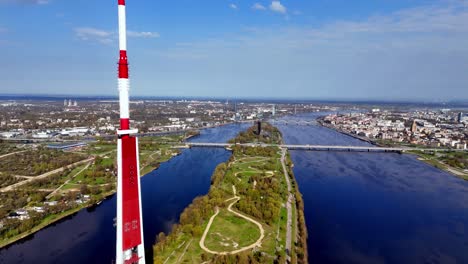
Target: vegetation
269, 135
453, 162
37, 162
226, 228
253, 183
7, 179
6, 148
301, 239
71, 189
455, 159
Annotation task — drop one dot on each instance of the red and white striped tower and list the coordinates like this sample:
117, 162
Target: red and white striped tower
130, 248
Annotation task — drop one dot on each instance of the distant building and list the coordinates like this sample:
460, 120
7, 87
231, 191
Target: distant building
41, 135
460, 117
414, 127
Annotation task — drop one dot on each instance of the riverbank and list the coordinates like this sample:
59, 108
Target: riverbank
245, 211
51, 219
148, 164
367, 140
421, 155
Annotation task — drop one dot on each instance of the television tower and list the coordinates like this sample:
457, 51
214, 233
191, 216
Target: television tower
130, 248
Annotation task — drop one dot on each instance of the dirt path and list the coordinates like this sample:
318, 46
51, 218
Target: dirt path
45, 175
256, 244
183, 253
66, 182
288, 204
10, 154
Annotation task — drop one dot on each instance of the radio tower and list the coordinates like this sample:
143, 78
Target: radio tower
130, 248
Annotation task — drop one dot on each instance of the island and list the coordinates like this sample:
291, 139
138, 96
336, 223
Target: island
253, 212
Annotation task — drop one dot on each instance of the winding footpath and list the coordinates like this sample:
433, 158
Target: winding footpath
256, 244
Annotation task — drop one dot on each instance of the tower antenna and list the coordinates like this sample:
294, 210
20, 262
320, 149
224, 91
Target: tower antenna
130, 247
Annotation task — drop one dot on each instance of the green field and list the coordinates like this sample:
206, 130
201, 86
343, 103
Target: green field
230, 232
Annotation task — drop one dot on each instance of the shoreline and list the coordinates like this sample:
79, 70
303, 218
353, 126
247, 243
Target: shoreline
57, 218
440, 165
320, 122
17, 239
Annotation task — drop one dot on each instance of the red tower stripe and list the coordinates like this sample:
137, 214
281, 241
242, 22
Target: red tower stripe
121, 2
123, 65
124, 123
130, 195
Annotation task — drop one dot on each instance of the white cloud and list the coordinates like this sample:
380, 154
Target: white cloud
417, 53
233, 6
258, 6
143, 34
276, 6
33, 2
107, 37
94, 34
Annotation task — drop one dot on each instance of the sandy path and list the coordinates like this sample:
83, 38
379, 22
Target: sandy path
256, 244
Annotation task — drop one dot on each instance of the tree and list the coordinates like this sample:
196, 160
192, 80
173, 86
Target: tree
84, 189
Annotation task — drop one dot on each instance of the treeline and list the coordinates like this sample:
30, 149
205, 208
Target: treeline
192, 218
257, 151
244, 258
301, 244
456, 160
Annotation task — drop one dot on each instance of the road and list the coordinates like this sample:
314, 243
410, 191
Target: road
45, 175
256, 244
288, 204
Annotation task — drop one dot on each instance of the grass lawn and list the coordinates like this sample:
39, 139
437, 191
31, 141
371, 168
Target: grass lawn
229, 232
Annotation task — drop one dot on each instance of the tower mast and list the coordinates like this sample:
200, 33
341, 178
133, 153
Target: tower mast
130, 247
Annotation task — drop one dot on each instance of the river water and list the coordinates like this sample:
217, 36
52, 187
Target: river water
377, 207
359, 207
89, 236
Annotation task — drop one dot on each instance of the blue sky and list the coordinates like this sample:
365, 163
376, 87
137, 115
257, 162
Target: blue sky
314, 49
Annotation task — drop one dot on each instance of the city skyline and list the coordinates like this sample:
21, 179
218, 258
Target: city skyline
399, 50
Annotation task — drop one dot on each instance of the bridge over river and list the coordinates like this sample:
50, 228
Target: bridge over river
317, 147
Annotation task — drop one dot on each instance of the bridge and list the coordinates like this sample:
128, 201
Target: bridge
318, 147
293, 122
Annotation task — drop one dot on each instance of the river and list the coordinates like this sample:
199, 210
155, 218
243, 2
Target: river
89, 235
377, 207
359, 207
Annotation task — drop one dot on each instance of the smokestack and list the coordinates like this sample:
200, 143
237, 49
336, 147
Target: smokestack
130, 246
